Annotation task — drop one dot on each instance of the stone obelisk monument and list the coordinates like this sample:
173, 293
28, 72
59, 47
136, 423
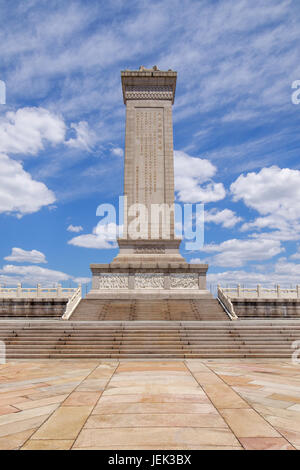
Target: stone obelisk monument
149, 264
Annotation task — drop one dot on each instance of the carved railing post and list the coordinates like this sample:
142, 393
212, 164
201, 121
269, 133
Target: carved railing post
278, 291
59, 290
19, 290
258, 290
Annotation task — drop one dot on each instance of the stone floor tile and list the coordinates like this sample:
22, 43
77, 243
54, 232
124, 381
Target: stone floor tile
7, 409
235, 380
45, 444
248, 423
15, 441
82, 399
28, 404
151, 389
223, 396
91, 385
27, 414
66, 423
156, 436
19, 426
158, 408
151, 365
265, 443
203, 420
174, 397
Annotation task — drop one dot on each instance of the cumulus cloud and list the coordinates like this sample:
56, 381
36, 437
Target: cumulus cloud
236, 253
282, 272
22, 256
275, 194
85, 137
19, 193
75, 228
32, 275
26, 130
227, 218
193, 181
273, 191
102, 237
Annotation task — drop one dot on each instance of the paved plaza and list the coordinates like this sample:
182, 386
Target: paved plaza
192, 404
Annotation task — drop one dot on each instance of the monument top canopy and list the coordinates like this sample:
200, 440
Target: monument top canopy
148, 84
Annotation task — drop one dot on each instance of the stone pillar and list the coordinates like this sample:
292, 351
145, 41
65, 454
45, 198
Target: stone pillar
149, 162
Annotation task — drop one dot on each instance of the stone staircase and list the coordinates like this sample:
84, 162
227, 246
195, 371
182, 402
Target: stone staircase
161, 340
207, 309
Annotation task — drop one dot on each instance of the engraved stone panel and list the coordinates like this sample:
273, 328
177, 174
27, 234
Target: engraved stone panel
149, 250
149, 156
113, 281
148, 92
184, 281
149, 281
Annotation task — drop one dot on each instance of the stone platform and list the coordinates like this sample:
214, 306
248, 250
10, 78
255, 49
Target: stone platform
144, 310
191, 404
50, 339
149, 280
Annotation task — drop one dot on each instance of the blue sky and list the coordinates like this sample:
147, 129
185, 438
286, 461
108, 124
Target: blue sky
62, 130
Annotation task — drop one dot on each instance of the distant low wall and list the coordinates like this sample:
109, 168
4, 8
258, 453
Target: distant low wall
266, 308
32, 308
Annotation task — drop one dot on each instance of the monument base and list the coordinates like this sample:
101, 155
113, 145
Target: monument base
149, 280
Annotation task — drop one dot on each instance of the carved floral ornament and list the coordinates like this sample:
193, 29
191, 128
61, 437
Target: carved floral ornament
148, 281
134, 92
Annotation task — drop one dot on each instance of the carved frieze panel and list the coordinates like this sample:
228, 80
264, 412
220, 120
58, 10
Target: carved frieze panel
113, 281
149, 281
145, 92
184, 281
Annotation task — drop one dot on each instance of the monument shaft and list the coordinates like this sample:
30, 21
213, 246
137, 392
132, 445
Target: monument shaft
149, 161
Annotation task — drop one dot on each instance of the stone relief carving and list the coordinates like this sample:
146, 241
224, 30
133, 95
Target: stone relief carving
150, 249
149, 281
149, 92
184, 281
113, 281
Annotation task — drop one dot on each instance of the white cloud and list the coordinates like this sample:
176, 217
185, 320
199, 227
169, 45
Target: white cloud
102, 237
197, 261
24, 131
85, 137
275, 194
75, 228
296, 255
19, 193
82, 280
273, 191
227, 218
252, 278
117, 151
236, 252
22, 256
193, 179
31, 275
